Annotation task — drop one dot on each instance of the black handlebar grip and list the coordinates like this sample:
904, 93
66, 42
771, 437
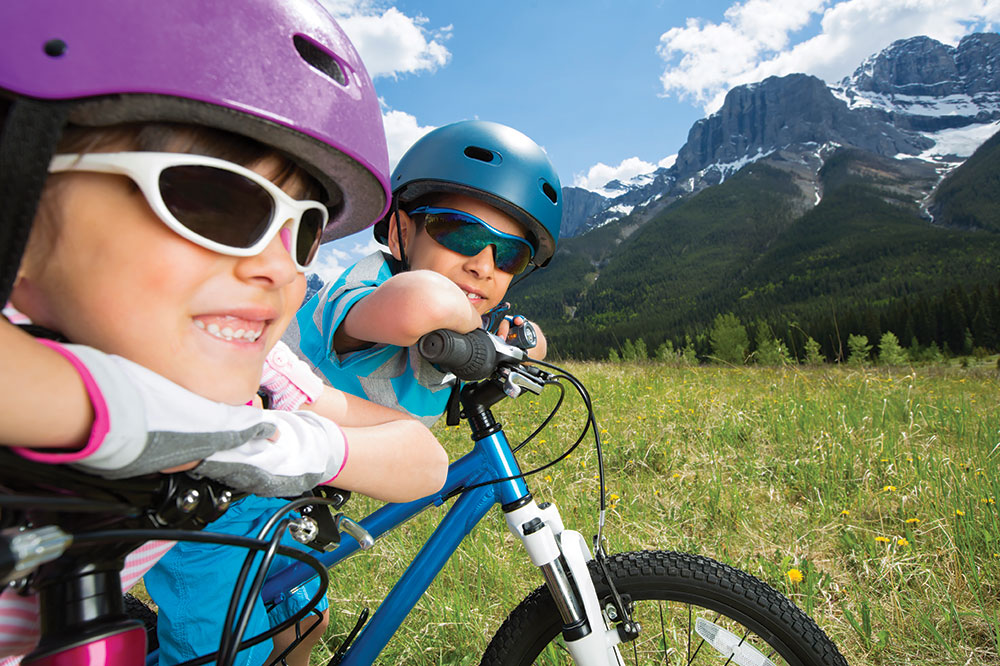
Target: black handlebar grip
471, 356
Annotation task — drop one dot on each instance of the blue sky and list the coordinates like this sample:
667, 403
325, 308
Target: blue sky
609, 88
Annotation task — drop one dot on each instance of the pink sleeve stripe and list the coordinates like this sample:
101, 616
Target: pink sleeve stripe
102, 420
347, 450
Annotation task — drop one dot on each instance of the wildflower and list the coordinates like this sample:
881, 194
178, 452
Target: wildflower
541, 441
903, 543
676, 476
987, 500
613, 498
795, 576
845, 512
881, 539
888, 489
959, 513
548, 478
912, 521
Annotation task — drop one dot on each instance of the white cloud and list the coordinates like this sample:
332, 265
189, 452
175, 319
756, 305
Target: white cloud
601, 174
330, 262
334, 258
401, 132
390, 42
754, 41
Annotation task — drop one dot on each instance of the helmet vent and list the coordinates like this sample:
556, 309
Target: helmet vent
550, 192
55, 48
482, 154
319, 59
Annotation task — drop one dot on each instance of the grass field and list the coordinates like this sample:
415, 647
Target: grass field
878, 486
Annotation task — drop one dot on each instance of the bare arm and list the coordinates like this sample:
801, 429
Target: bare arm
40, 378
403, 308
398, 461
349, 410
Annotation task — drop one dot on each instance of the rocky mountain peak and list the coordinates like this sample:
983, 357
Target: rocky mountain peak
921, 66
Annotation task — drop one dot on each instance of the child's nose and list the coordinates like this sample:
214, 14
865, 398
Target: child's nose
274, 264
481, 264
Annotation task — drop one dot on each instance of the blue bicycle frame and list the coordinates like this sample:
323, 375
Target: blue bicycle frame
491, 458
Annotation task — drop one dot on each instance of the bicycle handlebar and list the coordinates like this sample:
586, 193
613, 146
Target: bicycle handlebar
469, 356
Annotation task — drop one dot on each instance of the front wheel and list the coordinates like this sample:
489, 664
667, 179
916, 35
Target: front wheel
692, 610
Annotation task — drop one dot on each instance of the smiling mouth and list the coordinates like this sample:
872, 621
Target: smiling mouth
230, 328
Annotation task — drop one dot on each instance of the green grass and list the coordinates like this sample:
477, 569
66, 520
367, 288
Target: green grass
878, 485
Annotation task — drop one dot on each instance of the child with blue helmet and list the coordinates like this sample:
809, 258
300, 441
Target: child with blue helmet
474, 204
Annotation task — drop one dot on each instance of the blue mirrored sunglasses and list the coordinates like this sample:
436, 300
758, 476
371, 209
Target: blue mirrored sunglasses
468, 235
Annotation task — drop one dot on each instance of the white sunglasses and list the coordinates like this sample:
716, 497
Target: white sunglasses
221, 206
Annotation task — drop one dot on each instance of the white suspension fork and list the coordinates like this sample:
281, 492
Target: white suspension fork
562, 555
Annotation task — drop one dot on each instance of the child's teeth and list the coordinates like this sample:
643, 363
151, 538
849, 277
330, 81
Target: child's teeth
227, 332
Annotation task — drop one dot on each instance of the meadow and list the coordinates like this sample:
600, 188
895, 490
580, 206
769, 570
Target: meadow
866, 495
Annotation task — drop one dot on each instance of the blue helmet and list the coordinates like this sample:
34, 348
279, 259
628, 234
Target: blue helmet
491, 162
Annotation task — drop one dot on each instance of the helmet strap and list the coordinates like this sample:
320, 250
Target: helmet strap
28, 140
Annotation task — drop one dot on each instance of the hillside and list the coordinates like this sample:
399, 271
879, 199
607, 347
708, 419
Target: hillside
863, 260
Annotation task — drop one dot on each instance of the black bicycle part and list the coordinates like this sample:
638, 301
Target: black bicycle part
328, 536
719, 603
470, 356
342, 650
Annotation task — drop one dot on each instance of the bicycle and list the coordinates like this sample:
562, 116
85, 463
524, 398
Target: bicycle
593, 608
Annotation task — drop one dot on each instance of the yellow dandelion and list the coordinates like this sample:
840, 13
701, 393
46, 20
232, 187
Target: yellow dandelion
881, 539
583, 463
548, 478
676, 476
959, 513
903, 543
541, 441
845, 512
795, 576
613, 497
912, 521
888, 489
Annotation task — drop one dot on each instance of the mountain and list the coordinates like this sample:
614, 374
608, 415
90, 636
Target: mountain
808, 209
918, 99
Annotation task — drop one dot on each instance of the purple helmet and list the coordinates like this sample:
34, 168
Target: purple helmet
278, 71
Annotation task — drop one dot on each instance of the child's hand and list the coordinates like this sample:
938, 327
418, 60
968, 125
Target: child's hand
541, 347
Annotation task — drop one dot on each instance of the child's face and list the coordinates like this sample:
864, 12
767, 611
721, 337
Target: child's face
477, 276
116, 278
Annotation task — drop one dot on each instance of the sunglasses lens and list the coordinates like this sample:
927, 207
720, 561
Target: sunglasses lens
310, 235
468, 238
219, 205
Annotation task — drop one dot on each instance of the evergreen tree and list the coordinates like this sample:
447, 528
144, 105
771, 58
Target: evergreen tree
772, 352
858, 349
813, 355
729, 339
665, 353
889, 351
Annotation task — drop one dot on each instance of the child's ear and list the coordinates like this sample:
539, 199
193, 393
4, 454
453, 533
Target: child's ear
405, 226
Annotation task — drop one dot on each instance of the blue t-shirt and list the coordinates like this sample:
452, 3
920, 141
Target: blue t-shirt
389, 375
